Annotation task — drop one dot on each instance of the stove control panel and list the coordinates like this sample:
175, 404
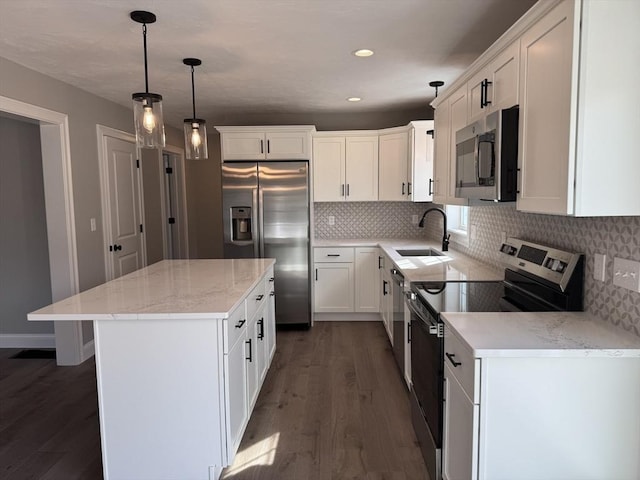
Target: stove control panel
549, 263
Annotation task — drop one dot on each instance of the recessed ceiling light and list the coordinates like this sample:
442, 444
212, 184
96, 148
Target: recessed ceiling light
353, 99
363, 52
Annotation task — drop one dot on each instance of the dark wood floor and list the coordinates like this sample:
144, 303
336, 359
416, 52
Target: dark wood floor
333, 406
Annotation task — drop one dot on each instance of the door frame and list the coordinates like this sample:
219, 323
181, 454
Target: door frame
103, 132
181, 200
60, 219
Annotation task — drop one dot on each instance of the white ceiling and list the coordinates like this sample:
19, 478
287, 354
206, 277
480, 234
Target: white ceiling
259, 56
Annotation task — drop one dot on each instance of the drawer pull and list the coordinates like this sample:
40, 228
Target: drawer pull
333, 254
271, 280
240, 323
259, 297
450, 356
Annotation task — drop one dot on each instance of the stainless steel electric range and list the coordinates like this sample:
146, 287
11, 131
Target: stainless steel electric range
537, 278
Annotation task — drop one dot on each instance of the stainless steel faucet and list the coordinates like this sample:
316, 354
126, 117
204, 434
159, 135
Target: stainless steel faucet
445, 236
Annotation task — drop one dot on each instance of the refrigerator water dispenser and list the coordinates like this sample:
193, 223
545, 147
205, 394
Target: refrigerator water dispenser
241, 224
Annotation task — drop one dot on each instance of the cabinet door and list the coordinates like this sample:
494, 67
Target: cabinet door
421, 154
546, 172
292, 145
328, 169
387, 301
236, 398
460, 432
253, 363
367, 280
270, 327
262, 343
475, 100
361, 173
333, 287
442, 139
503, 74
393, 171
243, 145
458, 119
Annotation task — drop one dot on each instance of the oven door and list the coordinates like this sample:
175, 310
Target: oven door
427, 351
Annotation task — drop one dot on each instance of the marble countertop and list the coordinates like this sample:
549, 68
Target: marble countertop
452, 266
542, 334
168, 289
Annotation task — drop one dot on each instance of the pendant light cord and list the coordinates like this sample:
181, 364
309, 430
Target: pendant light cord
144, 40
193, 92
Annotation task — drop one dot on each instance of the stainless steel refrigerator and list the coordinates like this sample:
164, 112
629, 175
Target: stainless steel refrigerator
266, 214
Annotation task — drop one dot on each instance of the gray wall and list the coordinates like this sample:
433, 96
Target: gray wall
85, 111
25, 283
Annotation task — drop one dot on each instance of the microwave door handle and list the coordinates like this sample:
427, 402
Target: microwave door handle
476, 157
481, 159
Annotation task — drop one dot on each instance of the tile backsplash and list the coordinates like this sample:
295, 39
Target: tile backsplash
368, 219
612, 236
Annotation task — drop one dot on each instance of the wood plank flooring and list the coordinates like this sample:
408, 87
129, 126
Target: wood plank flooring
333, 406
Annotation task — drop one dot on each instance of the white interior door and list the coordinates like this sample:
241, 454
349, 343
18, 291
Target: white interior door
124, 212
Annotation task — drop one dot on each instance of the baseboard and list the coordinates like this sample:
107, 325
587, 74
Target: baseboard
88, 350
27, 340
348, 317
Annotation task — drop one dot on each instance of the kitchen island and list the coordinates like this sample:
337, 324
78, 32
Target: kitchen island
182, 348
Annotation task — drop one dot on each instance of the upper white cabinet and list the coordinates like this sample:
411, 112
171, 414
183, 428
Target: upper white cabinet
451, 116
345, 167
579, 101
568, 65
266, 143
495, 86
406, 163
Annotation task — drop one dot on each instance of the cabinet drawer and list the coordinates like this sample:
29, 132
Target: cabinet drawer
333, 255
462, 363
234, 327
255, 299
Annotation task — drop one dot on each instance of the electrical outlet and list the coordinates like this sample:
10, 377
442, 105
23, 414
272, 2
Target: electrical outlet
93, 224
599, 266
414, 219
503, 237
626, 274
331, 220
473, 232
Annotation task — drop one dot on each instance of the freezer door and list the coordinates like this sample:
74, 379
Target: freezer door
240, 209
284, 221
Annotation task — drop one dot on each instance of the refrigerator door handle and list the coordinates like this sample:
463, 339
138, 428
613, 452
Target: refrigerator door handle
256, 221
261, 221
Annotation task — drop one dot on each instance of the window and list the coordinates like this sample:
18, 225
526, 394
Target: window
458, 224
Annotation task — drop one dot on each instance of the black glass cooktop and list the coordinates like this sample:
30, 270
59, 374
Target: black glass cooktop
460, 296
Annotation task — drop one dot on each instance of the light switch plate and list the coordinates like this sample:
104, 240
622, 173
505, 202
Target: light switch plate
626, 274
599, 266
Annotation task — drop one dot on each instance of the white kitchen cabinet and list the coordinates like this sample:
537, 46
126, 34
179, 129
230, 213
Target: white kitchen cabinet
450, 116
367, 279
495, 87
393, 166
345, 167
524, 414
266, 143
235, 368
386, 305
406, 163
334, 279
270, 322
579, 101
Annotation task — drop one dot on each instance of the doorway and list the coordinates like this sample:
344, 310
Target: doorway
71, 348
174, 204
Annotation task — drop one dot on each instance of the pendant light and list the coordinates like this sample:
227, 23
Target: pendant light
147, 107
195, 129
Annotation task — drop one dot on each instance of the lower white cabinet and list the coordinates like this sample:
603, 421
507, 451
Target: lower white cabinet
534, 414
235, 368
346, 280
386, 301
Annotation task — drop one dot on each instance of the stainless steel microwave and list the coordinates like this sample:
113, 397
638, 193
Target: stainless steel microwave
487, 158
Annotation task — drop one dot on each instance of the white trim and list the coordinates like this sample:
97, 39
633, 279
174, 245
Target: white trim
58, 184
27, 340
89, 349
348, 317
102, 133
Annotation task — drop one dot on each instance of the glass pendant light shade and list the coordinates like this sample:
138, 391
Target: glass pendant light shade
147, 117
147, 107
195, 138
195, 129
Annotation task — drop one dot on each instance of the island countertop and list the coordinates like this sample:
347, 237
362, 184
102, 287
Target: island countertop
175, 289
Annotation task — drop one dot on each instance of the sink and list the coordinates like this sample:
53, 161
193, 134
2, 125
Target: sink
418, 252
